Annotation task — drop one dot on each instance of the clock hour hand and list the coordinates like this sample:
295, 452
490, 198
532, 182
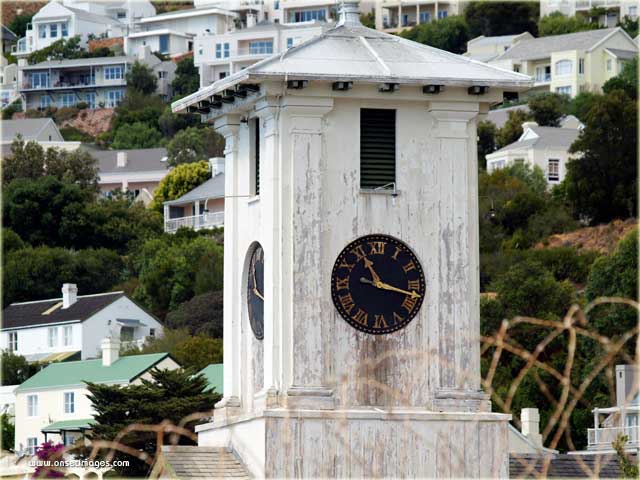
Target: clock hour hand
255, 285
369, 264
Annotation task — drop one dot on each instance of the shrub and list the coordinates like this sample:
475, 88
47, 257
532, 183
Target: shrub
65, 113
203, 315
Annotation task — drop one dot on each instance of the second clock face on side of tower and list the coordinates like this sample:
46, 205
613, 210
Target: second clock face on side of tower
255, 292
377, 284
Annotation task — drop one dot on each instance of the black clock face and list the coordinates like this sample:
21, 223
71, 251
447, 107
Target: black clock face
255, 292
377, 284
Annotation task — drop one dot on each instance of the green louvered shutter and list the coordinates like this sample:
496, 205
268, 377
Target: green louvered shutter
377, 147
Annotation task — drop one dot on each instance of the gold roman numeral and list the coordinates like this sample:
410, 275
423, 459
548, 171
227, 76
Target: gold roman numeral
380, 322
347, 303
377, 248
409, 266
397, 318
348, 266
409, 303
359, 253
342, 283
413, 285
361, 317
395, 255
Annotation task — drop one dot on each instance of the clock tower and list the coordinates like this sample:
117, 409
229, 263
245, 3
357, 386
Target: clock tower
351, 288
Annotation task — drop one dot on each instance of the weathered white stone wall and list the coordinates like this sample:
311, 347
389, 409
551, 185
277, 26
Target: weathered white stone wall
366, 444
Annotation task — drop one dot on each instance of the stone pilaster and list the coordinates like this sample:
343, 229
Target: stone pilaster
305, 121
455, 371
228, 126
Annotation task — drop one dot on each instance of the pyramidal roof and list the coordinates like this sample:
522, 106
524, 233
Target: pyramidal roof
353, 52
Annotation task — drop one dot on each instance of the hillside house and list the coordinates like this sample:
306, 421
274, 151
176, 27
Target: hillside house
54, 404
44, 131
570, 63
393, 16
544, 147
485, 49
614, 10
73, 326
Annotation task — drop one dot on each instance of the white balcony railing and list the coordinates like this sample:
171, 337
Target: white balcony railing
20, 47
604, 437
206, 220
261, 50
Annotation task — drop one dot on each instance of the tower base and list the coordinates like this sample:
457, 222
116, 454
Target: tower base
367, 442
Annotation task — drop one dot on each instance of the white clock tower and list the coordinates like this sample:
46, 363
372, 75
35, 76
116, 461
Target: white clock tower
355, 133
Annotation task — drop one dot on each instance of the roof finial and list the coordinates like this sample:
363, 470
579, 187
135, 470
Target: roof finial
349, 13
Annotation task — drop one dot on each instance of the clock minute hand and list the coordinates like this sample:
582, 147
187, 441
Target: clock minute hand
255, 285
385, 286
369, 264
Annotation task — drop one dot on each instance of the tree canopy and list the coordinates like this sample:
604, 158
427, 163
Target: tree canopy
28, 160
136, 135
180, 180
170, 395
450, 33
512, 129
194, 144
557, 23
141, 78
490, 18
601, 180
187, 79
547, 109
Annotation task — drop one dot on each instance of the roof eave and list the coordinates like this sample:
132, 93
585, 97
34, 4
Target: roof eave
203, 94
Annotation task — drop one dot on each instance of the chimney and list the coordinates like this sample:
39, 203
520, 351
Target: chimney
349, 13
110, 351
530, 419
626, 384
121, 159
251, 20
526, 125
69, 294
216, 164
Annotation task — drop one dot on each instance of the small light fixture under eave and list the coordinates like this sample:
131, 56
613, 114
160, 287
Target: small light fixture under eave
389, 87
342, 86
432, 89
192, 109
478, 90
239, 93
228, 96
297, 84
249, 87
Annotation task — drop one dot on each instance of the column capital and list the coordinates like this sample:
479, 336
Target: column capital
227, 125
452, 119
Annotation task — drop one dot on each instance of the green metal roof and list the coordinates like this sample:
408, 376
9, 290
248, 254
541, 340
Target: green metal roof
214, 375
69, 425
67, 374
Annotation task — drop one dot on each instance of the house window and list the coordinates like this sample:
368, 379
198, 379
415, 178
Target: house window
152, 332
126, 334
405, 20
516, 68
442, 14
553, 170
13, 341
563, 90
64, 29
69, 402
45, 101
114, 73
53, 30
289, 42
276, 5
67, 100
218, 50
222, 75
53, 336
42, 31
543, 74
164, 43
425, 17
90, 98
67, 331
226, 50
40, 80
307, 15
260, 47
32, 405
518, 161
564, 67
162, 74
633, 12
256, 155
377, 147
609, 63
581, 66
32, 445
200, 50
114, 97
